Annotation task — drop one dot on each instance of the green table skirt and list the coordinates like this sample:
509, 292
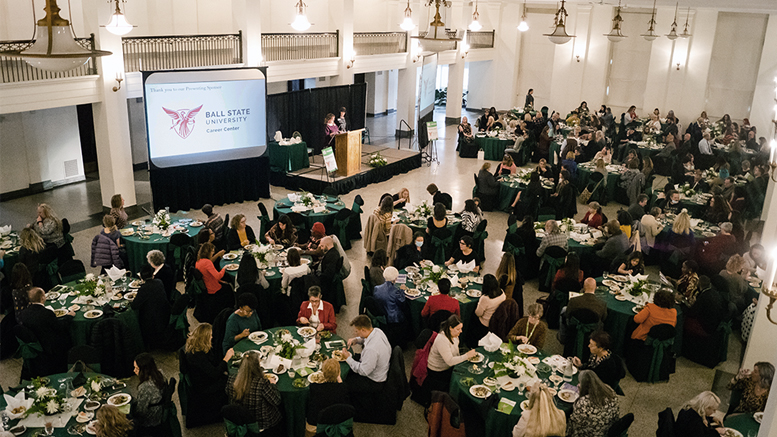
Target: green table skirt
743, 423
288, 158
493, 148
584, 174
467, 306
333, 206
137, 248
293, 400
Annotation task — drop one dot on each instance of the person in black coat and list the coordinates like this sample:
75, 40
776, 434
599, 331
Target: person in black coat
328, 267
153, 309
488, 187
52, 333
240, 234
439, 197
411, 253
207, 373
707, 311
695, 420
607, 366
326, 394
162, 272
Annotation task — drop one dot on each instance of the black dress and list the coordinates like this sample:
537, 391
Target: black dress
325, 395
407, 255
166, 275
207, 374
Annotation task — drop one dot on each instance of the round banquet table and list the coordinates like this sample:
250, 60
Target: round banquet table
620, 313
35, 423
10, 244
272, 274
293, 400
743, 423
467, 304
497, 423
572, 244
493, 147
420, 224
137, 246
81, 327
327, 217
509, 189
584, 174
289, 157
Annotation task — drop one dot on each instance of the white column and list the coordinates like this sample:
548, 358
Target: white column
111, 121
502, 17
245, 16
345, 25
455, 91
762, 110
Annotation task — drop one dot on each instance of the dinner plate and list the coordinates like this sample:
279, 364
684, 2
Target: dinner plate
480, 391
229, 256
532, 360
136, 283
52, 295
306, 331
137, 223
316, 377
412, 292
84, 417
60, 312
258, 337
131, 295
758, 417
527, 349
620, 297
525, 405
232, 267
277, 246
91, 428
271, 377
75, 307
338, 355
731, 432
127, 232
305, 261
119, 399
620, 278
552, 391
78, 392
18, 430
477, 358
474, 293
93, 314
412, 269
636, 309
610, 283
195, 224
508, 386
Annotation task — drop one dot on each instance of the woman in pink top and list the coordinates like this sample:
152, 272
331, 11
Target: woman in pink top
658, 313
490, 300
210, 275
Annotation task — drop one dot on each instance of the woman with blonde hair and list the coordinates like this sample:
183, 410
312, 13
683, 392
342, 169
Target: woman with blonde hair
681, 235
506, 167
695, 419
530, 329
256, 393
112, 423
49, 226
117, 210
595, 410
542, 418
738, 288
240, 234
332, 391
509, 278
34, 254
208, 376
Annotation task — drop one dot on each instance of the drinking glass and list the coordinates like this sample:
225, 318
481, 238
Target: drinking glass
292, 373
752, 433
49, 428
606, 274
521, 387
62, 299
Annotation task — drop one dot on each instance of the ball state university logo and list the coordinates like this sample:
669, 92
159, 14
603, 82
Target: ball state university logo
183, 120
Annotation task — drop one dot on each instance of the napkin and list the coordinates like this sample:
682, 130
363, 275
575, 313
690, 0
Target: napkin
273, 361
115, 274
466, 267
319, 209
596, 233
5, 230
294, 197
636, 278
309, 348
15, 402
299, 208
490, 342
295, 140
278, 136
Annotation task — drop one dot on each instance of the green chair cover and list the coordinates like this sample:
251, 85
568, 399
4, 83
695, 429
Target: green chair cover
439, 245
74, 277
377, 321
52, 269
517, 251
480, 238
659, 346
184, 387
581, 329
264, 226
553, 265
196, 288
723, 348
341, 227
562, 297
555, 150
170, 418
235, 430
28, 351
341, 429
356, 208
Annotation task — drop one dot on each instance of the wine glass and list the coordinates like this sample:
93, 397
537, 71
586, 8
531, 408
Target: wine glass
49, 428
62, 299
521, 387
606, 274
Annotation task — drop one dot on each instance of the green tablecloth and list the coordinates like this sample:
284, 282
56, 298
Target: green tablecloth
11, 247
137, 248
288, 158
493, 148
421, 224
54, 383
272, 274
584, 174
294, 400
572, 245
81, 327
743, 423
497, 423
467, 304
333, 206
508, 191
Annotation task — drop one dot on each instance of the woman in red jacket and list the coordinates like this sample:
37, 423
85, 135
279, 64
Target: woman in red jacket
317, 313
210, 275
593, 217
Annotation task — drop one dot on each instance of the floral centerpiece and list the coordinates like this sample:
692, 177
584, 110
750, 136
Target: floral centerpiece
710, 174
515, 365
432, 273
686, 190
286, 345
95, 383
567, 225
377, 160
637, 288
423, 210
263, 253
717, 129
47, 401
523, 176
162, 219
91, 286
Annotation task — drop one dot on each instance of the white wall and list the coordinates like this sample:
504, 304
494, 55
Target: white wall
36, 145
137, 129
481, 86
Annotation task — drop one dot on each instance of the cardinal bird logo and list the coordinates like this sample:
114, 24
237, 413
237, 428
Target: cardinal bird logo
183, 120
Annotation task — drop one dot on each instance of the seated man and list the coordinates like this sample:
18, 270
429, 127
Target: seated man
439, 197
242, 322
371, 370
52, 333
637, 209
716, 250
588, 301
152, 307
698, 184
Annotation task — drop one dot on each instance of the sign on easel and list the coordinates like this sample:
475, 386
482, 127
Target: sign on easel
329, 160
431, 130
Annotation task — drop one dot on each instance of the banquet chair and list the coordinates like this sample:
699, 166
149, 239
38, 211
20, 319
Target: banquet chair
219, 329
552, 260
335, 421
444, 416
72, 270
221, 244
118, 348
441, 241
709, 349
354, 227
31, 352
265, 222
653, 359
621, 426
383, 409
170, 426
479, 237
66, 252
239, 422
504, 318
176, 252
88, 355
558, 299
178, 325
340, 227
580, 325
436, 319
597, 187
298, 221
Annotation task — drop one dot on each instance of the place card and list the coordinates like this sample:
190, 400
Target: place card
505, 406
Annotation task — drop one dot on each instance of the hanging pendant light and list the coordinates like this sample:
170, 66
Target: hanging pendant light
300, 22
672, 35
524, 26
437, 38
559, 35
54, 47
475, 24
118, 25
407, 23
685, 33
615, 34
651, 32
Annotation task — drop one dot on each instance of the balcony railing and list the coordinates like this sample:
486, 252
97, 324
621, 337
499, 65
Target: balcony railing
298, 46
146, 53
481, 40
14, 69
379, 43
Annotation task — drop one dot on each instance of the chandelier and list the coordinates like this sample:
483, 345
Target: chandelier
559, 35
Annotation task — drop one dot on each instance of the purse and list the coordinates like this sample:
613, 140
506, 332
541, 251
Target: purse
585, 196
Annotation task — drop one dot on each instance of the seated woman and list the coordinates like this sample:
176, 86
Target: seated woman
570, 276
616, 245
295, 269
688, 285
633, 266
412, 253
34, 254
605, 155
311, 248
162, 271
530, 329
385, 213
593, 217
738, 288
207, 375
695, 419
542, 417
545, 170
316, 312
607, 366
378, 264
249, 277
466, 254
527, 202
331, 392
438, 220
206, 235
510, 280
283, 232
719, 210
240, 235
444, 355
21, 283
490, 300
242, 322
252, 390
570, 164
146, 415
465, 132
660, 312
470, 217
401, 199
112, 423
754, 385
210, 275
49, 227
595, 410
507, 166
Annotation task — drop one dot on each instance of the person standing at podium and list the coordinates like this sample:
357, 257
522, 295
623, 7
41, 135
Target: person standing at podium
341, 120
330, 130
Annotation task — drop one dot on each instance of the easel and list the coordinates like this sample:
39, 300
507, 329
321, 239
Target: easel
429, 154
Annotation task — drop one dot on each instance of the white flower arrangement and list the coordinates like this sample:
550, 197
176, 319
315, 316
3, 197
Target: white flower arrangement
263, 253
91, 286
162, 219
567, 225
686, 190
423, 210
377, 160
515, 364
285, 345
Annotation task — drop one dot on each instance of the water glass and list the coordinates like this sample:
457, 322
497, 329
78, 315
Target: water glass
606, 274
49, 428
521, 387
292, 373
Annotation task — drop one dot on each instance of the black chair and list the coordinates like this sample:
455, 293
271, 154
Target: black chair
597, 188
440, 246
436, 319
219, 329
355, 224
221, 244
265, 222
85, 354
239, 422
665, 424
581, 323
117, 347
468, 149
552, 260
709, 349
653, 359
71, 271
298, 220
479, 237
176, 253
621, 426
34, 362
733, 401
335, 415
382, 409
170, 426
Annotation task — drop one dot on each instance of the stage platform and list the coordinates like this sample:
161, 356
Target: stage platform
314, 178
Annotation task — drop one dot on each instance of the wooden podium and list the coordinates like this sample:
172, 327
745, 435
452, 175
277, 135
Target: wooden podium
348, 152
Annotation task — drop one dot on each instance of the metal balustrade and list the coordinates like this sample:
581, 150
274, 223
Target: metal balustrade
148, 53
14, 69
481, 39
379, 43
298, 46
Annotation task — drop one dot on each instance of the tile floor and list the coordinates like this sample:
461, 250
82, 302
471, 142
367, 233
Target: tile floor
80, 203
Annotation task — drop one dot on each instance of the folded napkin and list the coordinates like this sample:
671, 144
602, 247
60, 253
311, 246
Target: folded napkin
294, 197
5, 230
319, 209
278, 136
273, 361
578, 237
596, 233
466, 267
490, 342
299, 208
310, 347
636, 278
295, 140
17, 401
115, 273
695, 222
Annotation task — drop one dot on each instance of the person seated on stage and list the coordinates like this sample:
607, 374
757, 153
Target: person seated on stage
466, 254
530, 329
331, 392
152, 307
330, 130
313, 247
316, 312
214, 221
52, 332
371, 370
261, 397
634, 265
660, 312
242, 322
283, 232
295, 269
441, 301
401, 199
240, 235
341, 123
607, 366
755, 385
412, 253
439, 197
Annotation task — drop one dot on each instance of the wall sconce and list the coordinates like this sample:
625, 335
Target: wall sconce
678, 66
577, 57
768, 287
349, 62
464, 50
119, 79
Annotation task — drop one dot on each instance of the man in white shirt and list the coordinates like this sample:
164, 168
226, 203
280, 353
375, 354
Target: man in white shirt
705, 147
371, 370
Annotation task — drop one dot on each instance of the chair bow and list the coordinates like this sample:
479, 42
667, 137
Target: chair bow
658, 356
517, 251
235, 430
341, 429
29, 351
581, 329
553, 265
178, 321
342, 226
356, 208
377, 321
440, 244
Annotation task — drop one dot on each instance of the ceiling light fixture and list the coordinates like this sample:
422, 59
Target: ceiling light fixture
475, 24
118, 25
437, 38
685, 33
559, 35
524, 26
615, 34
672, 35
651, 32
300, 23
407, 23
